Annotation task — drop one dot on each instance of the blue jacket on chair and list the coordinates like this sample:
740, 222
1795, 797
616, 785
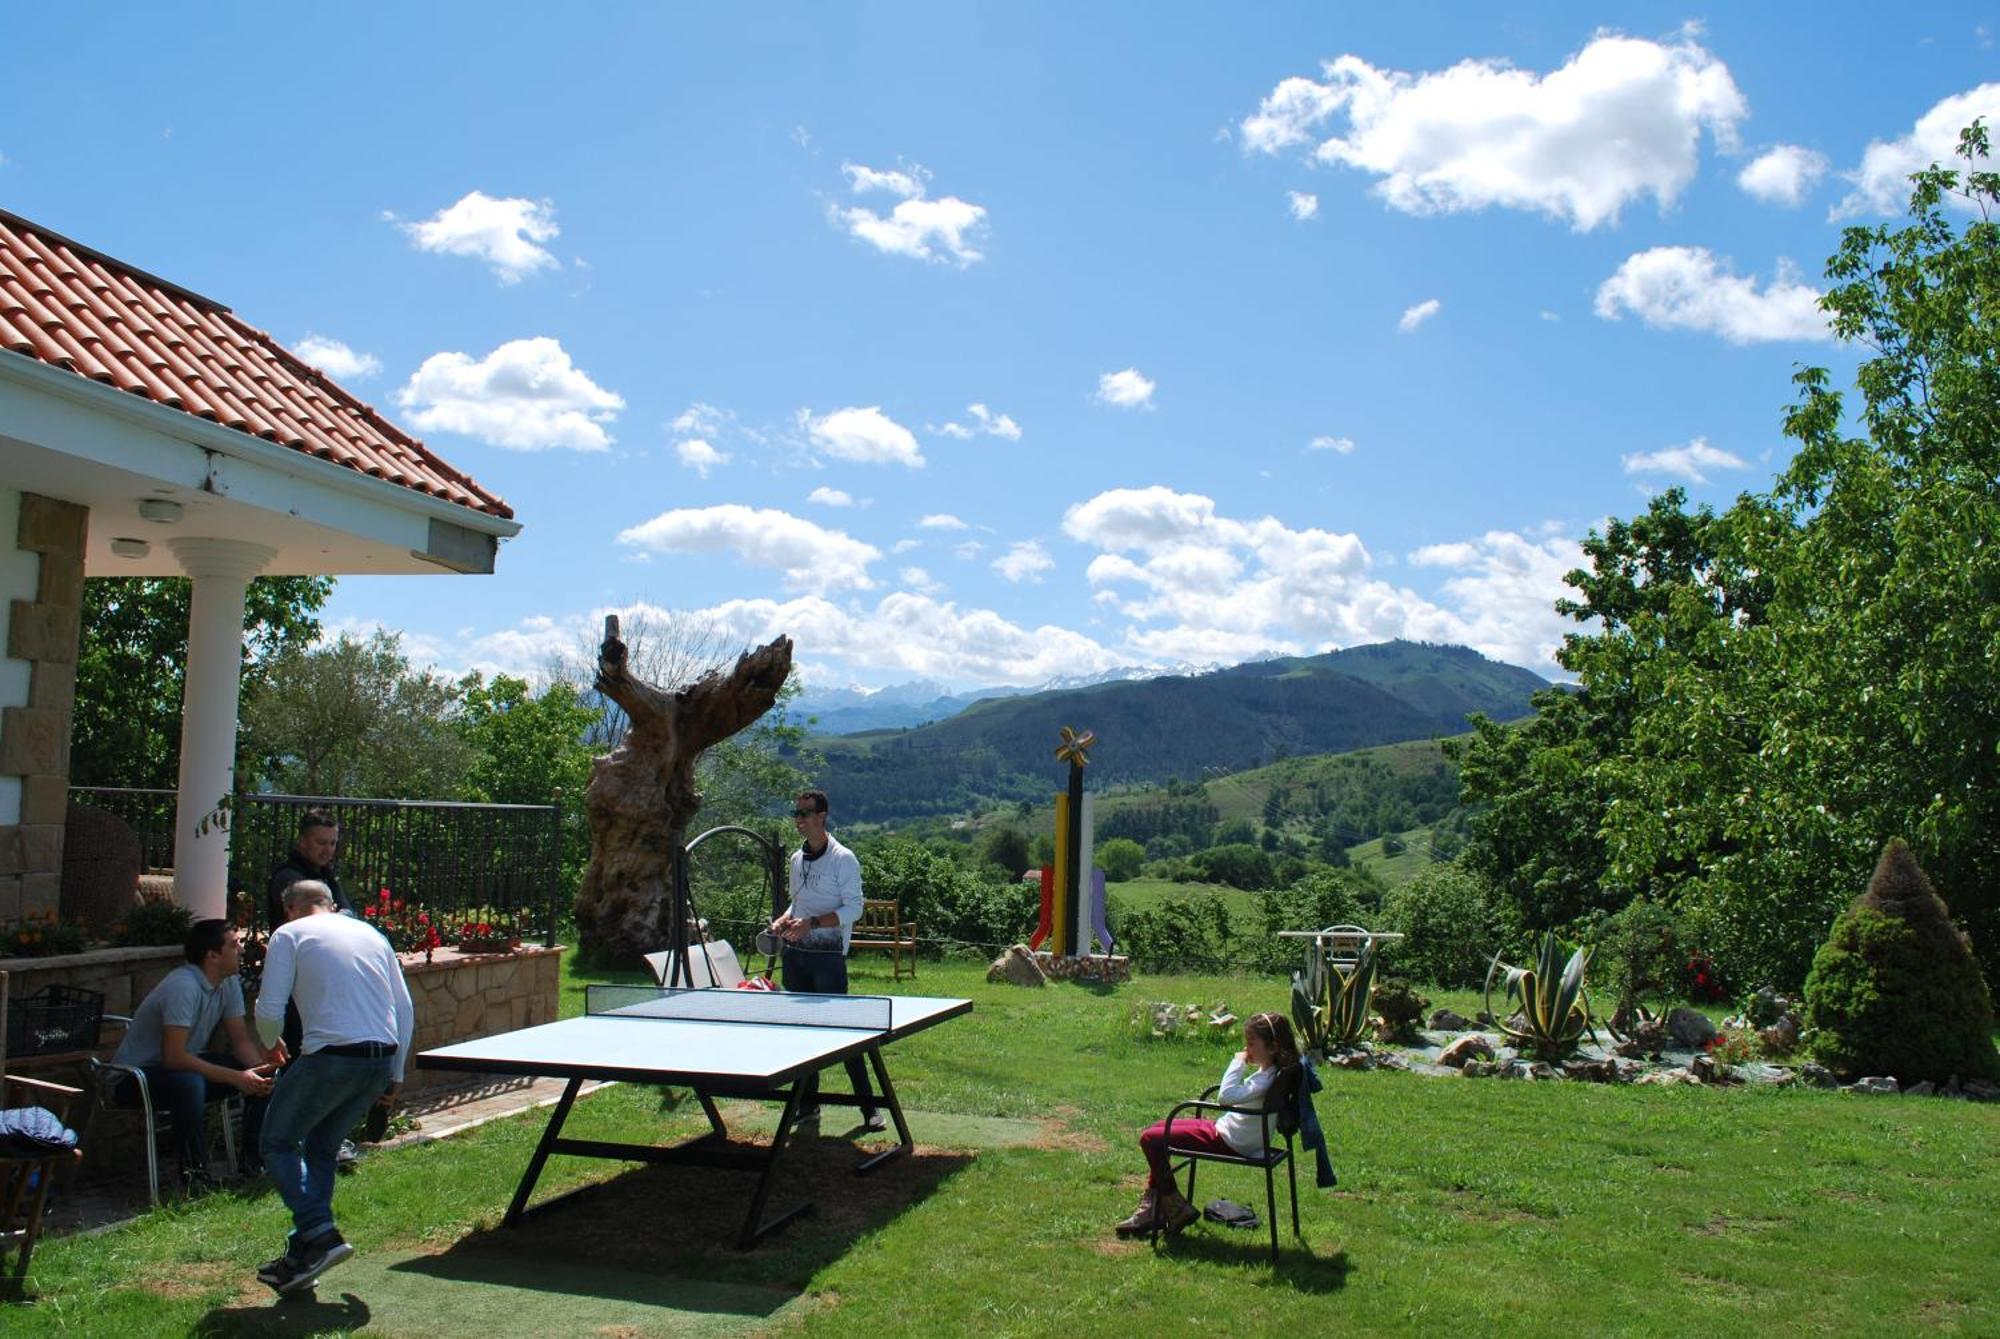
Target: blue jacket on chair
1310, 1134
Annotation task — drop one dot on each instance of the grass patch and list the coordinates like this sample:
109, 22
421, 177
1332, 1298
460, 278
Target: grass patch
1464, 1207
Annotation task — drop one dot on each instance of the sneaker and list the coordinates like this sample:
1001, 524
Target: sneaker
876, 1120
348, 1157
296, 1273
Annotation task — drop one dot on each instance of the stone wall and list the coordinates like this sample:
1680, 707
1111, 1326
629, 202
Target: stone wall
122, 975
34, 738
460, 996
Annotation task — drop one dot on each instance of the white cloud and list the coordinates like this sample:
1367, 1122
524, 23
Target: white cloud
942, 521
830, 497
526, 395
967, 551
699, 456
1685, 462
905, 545
907, 185
336, 359
1685, 288
1198, 585
1343, 446
1129, 389
917, 579
920, 228
812, 557
864, 435
501, 232
1415, 316
1882, 181
1303, 205
986, 422
1024, 561
701, 420
1782, 175
1622, 119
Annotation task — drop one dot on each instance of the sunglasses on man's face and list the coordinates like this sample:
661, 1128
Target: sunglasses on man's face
804, 813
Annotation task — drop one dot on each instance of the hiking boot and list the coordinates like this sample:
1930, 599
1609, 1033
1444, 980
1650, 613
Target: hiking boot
1144, 1219
1175, 1212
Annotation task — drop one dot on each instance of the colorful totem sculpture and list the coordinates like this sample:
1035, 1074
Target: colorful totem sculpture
1070, 915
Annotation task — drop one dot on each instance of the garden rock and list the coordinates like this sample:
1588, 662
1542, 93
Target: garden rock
1690, 1027
1479, 1069
1591, 1071
1351, 1060
1472, 1047
1017, 966
1648, 1039
1771, 1076
1390, 1060
1782, 1035
1444, 1020
1924, 1089
1667, 1078
1705, 1070
1979, 1090
1876, 1083
1817, 1076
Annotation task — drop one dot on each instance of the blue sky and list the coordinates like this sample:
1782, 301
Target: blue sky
988, 344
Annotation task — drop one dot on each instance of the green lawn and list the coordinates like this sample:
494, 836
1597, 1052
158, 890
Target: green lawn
1465, 1207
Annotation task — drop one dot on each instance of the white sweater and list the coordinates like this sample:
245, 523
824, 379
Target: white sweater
347, 981
1244, 1133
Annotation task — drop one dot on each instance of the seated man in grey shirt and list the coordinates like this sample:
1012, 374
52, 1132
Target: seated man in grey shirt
174, 1040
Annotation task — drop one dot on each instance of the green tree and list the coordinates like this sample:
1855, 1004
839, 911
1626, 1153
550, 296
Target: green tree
352, 718
529, 748
126, 730
1120, 858
1766, 695
1006, 847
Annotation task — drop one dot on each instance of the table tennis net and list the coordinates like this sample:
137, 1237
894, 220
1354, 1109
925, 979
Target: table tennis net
767, 1008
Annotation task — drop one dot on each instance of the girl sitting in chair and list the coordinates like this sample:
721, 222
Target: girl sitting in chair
1267, 1048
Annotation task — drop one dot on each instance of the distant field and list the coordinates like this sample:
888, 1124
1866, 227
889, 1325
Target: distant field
1396, 869
1145, 894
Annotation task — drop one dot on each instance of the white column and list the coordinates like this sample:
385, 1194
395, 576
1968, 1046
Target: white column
221, 569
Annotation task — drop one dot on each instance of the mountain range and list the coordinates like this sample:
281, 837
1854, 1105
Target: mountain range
1001, 748
840, 711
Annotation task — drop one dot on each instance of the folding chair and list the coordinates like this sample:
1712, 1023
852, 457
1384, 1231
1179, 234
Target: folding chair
25, 1182
1279, 1115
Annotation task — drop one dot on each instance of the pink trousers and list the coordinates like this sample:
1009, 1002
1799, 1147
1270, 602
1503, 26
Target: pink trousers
1190, 1134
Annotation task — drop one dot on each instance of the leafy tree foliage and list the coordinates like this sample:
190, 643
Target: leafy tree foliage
353, 718
131, 658
529, 748
1007, 847
1120, 859
1765, 695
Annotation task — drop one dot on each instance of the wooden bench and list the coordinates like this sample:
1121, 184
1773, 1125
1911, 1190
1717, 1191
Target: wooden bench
882, 926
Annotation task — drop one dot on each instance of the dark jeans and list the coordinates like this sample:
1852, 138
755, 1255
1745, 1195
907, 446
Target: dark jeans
318, 1099
824, 972
184, 1096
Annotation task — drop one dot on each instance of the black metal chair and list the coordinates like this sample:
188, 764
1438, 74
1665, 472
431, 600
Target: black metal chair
1278, 1115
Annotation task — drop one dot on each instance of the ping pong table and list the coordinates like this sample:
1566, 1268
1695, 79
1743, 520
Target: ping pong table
720, 1043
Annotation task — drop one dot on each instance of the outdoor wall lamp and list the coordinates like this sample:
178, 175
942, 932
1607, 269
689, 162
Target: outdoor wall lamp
131, 548
159, 511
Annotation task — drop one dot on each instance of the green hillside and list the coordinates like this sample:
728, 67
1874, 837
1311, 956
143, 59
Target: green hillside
1253, 716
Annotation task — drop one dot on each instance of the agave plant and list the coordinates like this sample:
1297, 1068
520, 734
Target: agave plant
1555, 1009
1347, 1005
1308, 989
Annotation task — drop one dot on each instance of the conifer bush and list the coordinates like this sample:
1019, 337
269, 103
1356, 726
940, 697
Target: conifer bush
1895, 989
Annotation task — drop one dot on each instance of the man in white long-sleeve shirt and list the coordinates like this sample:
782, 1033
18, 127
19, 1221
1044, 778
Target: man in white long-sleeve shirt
826, 901
349, 988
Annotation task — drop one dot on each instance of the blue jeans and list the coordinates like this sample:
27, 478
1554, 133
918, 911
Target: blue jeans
184, 1096
317, 1100
824, 972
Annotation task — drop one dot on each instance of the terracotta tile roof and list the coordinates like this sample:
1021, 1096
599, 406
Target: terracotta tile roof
67, 305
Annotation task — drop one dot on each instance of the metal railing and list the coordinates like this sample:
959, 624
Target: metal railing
447, 855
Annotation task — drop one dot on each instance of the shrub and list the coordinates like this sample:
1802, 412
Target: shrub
1189, 933
1400, 1006
154, 919
1449, 923
1120, 859
1895, 989
1323, 897
1240, 865
947, 902
1636, 951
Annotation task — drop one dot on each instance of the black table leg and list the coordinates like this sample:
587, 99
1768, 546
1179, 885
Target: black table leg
753, 1227
542, 1151
888, 1094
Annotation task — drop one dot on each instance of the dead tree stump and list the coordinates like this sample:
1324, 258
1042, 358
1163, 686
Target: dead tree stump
642, 796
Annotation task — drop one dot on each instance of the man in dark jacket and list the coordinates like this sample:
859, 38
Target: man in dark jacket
311, 858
